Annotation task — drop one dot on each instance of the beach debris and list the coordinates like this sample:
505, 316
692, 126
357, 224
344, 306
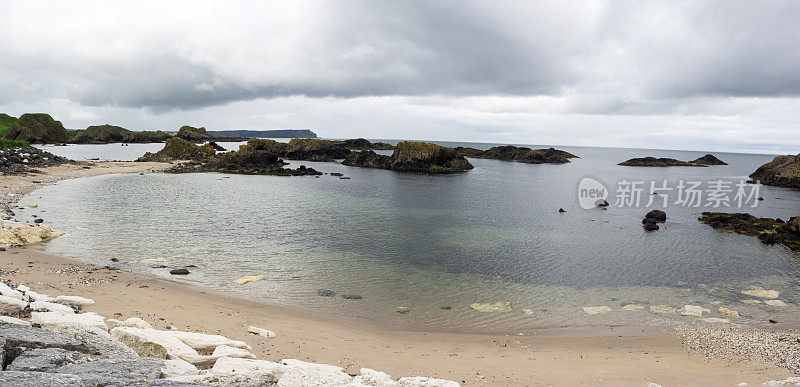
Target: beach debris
261, 332
250, 278
326, 293
74, 301
759, 292
205, 342
179, 271
777, 303
692, 310
728, 312
793, 381
33, 205
596, 309
663, 309
561, 210
630, 307
488, 307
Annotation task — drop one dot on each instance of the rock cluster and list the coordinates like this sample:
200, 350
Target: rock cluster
767, 230
313, 149
659, 162
21, 234
652, 218
179, 149
37, 128
520, 154
708, 159
363, 144
410, 156
66, 347
19, 159
105, 134
783, 171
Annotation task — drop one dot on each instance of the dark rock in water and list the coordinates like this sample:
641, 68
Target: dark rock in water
216, 146
773, 321
158, 267
601, 203
179, 149
650, 226
362, 144
39, 220
411, 156
782, 171
114, 259
37, 128
326, 293
767, 230
2, 249
45, 359
658, 215
447, 307
179, 271
561, 210
520, 154
658, 162
193, 134
313, 149
336, 174
709, 159
351, 296
191, 266
402, 311
344, 178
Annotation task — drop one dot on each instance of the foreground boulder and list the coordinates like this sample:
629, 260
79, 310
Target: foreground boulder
410, 156
709, 159
105, 134
782, 171
519, 154
179, 149
767, 230
658, 162
37, 128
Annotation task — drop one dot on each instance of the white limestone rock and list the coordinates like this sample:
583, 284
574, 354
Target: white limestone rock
312, 376
22, 288
225, 350
178, 367
136, 322
422, 381
370, 377
759, 292
205, 342
692, 310
793, 381
261, 332
14, 321
74, 301
10, 305
6, 290
44, 306
33, 296
267, 370
304, 364
153, 343
71, 323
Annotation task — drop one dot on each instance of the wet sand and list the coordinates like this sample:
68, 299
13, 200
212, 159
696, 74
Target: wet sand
596, 356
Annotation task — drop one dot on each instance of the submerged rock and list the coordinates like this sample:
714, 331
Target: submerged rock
487, 307
692, 310
767, 230
250, 278
783, 171
596, 309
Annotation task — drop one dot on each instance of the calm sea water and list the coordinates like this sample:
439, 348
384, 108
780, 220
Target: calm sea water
418, 243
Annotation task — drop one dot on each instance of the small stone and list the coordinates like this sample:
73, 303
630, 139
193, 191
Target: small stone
179, 271
777, 303
663, 309
692, 310
446, 307
759, 292
728, 312
261, 332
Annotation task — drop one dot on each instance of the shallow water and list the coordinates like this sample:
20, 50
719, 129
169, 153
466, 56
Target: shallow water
420, 243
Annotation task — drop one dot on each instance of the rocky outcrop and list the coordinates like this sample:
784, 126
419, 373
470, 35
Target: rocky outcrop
5, 123
105, 134
767, 230
520, 154
190, 133
412, 156
363, 144
179, 149
313, 149
658, 162
783, 171
709, 159
652, 218
14, 160
257, 157
22, 234
37, 128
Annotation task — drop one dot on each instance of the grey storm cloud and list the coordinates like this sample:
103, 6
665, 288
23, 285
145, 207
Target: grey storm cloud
194, 54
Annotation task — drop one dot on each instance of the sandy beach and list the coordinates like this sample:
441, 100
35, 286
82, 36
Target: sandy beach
596, 356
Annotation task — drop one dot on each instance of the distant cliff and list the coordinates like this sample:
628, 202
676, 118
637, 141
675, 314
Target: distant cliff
283, 133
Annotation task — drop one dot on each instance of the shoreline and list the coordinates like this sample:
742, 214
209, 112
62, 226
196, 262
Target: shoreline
603, 355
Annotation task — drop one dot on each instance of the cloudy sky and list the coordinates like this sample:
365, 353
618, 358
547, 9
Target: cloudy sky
705, 75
